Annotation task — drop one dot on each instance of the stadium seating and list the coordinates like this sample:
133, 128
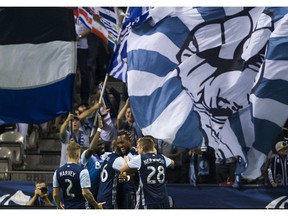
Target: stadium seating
5, 166
11, 147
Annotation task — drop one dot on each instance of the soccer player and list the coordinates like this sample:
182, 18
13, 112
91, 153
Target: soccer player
74, 182
152, 168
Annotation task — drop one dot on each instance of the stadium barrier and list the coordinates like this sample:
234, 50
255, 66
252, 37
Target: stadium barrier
14, 194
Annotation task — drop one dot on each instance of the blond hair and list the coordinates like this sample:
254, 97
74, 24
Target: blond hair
72, 149
147, 143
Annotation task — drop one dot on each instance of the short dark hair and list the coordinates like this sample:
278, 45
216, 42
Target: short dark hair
40, 181
76, 108
76, 118
123, 132
80, 104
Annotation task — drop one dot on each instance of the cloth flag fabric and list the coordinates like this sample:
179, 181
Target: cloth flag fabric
237, 135
167, 111
102, 21
190, 75
118, 63
269, 94
37, 67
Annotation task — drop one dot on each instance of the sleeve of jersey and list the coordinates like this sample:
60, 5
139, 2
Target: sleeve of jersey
167, 160
118, 163
55, 181
135, 163
105, 155
85, 179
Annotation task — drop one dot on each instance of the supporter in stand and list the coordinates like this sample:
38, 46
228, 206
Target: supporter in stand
72, 128
277, 171
225, 170
202, 166
125, 121
173, 175
82, 59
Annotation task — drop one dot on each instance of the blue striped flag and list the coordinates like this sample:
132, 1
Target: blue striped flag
37, 67
269, 95
185, 68
118, 63
190, 75
160, 105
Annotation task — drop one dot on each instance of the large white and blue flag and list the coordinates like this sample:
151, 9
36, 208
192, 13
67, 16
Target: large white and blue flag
200, 56
38, 63
236, 137
160, 105
190, 74
269, 94
118, 62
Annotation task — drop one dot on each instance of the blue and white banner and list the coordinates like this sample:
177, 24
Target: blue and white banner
38, 63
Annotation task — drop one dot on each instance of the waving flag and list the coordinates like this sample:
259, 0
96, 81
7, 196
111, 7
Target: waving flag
153, 81
37, 67
102, 21
202, 58
269, 94
236, 137
190, 74
118, 62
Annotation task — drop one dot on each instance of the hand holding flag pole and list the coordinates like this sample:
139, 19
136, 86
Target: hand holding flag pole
106, 78
97, 111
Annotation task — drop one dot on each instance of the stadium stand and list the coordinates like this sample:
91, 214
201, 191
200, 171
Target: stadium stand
11, 146
5, 166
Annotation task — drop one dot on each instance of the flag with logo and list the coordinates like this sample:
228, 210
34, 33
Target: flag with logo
190, 74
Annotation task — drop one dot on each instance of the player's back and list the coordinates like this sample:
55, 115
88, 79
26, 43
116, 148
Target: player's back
68, 177
152, 175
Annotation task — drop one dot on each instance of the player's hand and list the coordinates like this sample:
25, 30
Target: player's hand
99, 205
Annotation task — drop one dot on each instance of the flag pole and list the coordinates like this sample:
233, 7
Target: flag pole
106, 78
97, 111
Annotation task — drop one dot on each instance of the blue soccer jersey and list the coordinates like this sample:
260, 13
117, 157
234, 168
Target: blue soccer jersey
71, 178
109, 180
152, 170
93, 165
126, 192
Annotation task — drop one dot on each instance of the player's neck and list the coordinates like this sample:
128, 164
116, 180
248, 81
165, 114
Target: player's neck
73, 160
